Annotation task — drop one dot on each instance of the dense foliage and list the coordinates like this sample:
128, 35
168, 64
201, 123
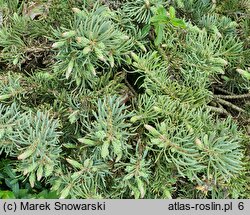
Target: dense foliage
124, 99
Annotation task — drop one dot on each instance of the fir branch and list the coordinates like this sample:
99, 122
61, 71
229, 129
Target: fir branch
219, 110
229, 104
243, 96
223, 90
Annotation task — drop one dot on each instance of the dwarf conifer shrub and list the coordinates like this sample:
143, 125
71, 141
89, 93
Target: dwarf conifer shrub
124, 99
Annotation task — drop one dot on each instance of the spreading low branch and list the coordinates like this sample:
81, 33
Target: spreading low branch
229, 104
243, 96
219, 110
223, 90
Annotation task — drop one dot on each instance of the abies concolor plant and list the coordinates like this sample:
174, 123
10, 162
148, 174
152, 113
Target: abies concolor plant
124, 99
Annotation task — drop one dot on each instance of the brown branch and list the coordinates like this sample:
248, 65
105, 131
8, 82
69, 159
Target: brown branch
243, 96
229, 104
37, 49
223, 90
219, 110
130, 87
